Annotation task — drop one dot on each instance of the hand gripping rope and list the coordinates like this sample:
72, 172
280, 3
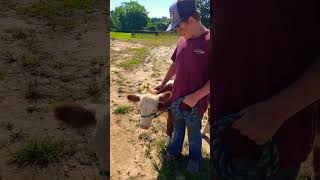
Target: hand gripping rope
267, 164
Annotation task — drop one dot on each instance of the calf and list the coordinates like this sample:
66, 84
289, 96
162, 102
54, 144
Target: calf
151, 102
79, 116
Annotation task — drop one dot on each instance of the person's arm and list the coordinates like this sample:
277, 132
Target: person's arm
303, 92
192, 99
170, 73
262, 120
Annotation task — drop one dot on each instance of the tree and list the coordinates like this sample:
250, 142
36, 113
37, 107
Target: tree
131, 16
114, 21
204, 8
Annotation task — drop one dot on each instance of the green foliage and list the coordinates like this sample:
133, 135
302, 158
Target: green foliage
130, 15
41, 151
204, 8
161, 23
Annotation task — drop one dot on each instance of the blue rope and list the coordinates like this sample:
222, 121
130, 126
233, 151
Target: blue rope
267, 165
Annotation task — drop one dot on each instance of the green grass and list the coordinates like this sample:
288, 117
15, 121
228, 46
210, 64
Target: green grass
141, 36
166, 171
130, 63
122, 109
139, 54
40, 152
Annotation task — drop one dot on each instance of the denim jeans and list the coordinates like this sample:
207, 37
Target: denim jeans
283, 174
194, 137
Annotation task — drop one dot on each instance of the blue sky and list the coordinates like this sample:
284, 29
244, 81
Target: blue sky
156, 8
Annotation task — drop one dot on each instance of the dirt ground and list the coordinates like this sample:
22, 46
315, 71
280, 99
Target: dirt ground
40, 66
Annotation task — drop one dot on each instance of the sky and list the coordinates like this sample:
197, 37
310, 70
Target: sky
156, 8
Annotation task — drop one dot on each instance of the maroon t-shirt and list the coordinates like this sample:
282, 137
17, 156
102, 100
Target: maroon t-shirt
259, 49
191, 59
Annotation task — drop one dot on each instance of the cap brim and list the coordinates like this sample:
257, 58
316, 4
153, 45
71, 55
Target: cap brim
173, 25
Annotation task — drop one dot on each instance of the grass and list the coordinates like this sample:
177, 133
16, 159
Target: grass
130, 63
166, 171
41, 151
138, 55
63, 13
122, 109
147, 37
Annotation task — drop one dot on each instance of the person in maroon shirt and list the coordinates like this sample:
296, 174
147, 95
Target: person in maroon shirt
265, 67
190, 66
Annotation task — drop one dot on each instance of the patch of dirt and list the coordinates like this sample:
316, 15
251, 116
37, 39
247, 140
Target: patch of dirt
40, 67
117, 45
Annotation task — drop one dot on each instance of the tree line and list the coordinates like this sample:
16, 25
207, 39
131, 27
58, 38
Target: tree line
133, 16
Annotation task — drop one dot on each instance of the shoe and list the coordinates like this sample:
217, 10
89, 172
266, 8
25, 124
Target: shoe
193, 167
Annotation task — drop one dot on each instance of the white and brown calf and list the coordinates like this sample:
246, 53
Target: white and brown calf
151, 103
81, 116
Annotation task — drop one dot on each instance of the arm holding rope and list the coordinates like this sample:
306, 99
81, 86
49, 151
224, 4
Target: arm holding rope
192, 99
262, 120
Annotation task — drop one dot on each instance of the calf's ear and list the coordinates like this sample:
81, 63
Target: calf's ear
133, 98
165, 97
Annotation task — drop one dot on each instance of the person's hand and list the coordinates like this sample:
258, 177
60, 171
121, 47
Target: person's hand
190, 100
259, 122
157, 89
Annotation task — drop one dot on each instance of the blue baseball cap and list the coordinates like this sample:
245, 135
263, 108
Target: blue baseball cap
180, 10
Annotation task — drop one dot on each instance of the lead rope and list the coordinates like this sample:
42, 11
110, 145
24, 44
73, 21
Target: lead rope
267, 164
175, 107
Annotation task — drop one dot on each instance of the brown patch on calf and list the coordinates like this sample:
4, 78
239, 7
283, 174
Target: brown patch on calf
74, 115
133, 98
165, 97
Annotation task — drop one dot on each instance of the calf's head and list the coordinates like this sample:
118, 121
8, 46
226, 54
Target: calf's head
149, 104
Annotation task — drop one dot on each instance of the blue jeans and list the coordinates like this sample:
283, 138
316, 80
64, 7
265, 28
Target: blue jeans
283, 174
194, 137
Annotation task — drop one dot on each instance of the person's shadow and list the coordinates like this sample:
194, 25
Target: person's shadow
177, 170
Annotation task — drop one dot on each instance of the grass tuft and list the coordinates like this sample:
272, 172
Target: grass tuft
40, 152
123, 109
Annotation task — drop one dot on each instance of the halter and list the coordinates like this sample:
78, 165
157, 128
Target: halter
268, 163
154, 115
